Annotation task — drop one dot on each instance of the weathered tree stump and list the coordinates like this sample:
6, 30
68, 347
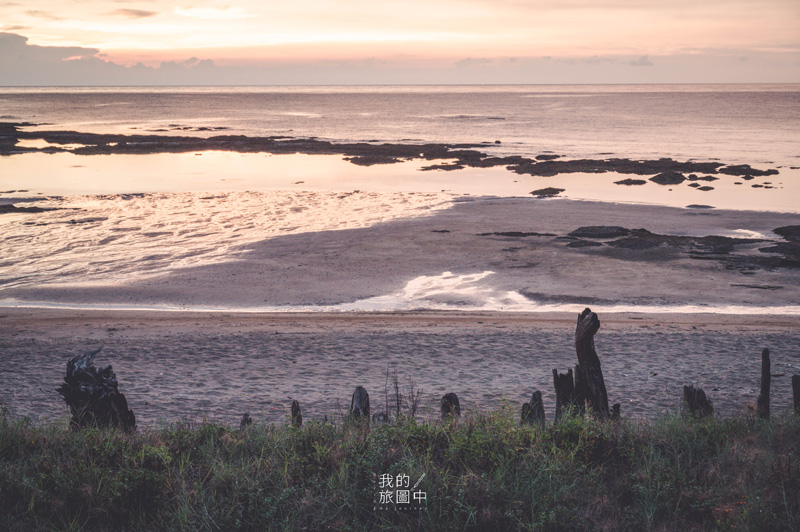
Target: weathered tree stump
533, 412
697, 403
93, 396
565, 392
359, 405
451, 409
616, 411
245, 422
297, 416
580, 390
762, 406
591, 374
796, 393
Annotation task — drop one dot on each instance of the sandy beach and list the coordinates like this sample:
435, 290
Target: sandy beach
492, 288
189, 366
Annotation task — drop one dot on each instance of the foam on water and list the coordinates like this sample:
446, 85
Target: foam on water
472, 292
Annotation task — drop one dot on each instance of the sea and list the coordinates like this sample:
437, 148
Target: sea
756, 124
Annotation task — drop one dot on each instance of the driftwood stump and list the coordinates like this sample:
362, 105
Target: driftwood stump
697, 403
297, 416
93, 396
533, 412
245, 422
359, 405
451, 409
591, 375
580, 390
796, 393
565, 392
762, 406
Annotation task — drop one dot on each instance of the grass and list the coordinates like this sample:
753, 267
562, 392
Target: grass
484, 472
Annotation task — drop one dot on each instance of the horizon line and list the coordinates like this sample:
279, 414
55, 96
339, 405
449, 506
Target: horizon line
288, 85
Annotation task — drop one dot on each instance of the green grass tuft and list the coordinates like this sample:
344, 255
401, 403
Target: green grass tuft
483, 472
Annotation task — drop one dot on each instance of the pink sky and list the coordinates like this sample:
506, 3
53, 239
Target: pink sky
392, 41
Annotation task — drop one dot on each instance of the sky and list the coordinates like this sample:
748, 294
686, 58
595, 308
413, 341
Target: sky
291, 42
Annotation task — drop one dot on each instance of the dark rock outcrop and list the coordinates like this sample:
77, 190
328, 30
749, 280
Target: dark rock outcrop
547, 192
10, 209
600, 231
630, 182
583, 244
369, 160
362, 153
789, 232
668, 178
746, 171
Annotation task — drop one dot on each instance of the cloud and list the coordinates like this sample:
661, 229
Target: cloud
641, 61
44, 15
596, 59
14, 28
472, 62
132, 13
24, 64
15, 48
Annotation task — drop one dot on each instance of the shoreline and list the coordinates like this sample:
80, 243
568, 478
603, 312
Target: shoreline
478, 253
54, 323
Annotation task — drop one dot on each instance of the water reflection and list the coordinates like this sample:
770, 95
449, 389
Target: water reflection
69, 174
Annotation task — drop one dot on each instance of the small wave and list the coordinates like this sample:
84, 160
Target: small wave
301, 114
471, 117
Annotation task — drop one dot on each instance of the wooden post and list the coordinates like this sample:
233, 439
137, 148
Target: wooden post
796, 393
696, 401
450, 406
762, 408
297, 416
359, 404
565, 392
580, 390
533, 412
93, 397
592, 374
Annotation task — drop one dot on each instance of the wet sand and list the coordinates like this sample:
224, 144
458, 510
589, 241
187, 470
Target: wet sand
190, 365
480, 253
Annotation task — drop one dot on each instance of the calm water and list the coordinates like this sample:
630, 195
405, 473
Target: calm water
755, 124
